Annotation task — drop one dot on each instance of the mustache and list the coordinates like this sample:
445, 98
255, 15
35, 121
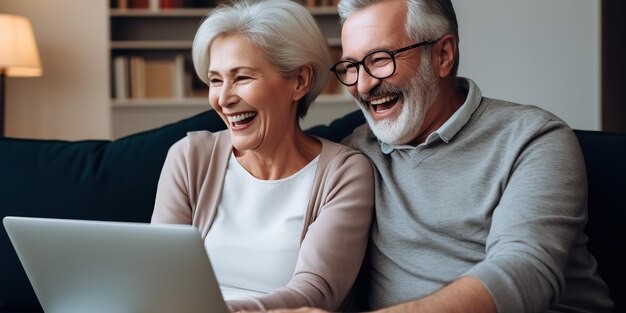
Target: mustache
381, 90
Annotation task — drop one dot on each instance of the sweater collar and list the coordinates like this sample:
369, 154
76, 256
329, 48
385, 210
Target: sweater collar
454, 124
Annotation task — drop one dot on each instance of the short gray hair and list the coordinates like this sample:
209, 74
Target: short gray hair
425, 20
284, 30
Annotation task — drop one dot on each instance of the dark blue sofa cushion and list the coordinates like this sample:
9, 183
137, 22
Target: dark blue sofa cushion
605, 158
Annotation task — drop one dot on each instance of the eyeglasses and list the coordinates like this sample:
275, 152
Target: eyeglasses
379, 64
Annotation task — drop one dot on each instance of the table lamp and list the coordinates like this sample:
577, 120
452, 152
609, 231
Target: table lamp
18, 54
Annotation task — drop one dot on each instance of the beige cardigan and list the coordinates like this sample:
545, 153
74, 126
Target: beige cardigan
335, 233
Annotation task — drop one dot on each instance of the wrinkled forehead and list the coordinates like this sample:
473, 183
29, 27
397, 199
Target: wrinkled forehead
235, 51
380, 26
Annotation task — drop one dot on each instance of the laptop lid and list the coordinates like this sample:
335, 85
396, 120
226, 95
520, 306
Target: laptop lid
115, 267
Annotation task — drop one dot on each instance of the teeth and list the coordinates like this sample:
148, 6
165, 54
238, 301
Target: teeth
382, 100
239, 117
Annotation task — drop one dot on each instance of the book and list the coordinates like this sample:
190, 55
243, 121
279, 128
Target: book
179, 76
333, 85
120, 76
170, 4
154, 5
138, 4
137, 77
159, 78
197, 88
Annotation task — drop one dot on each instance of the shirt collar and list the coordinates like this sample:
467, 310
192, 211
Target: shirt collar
454, 124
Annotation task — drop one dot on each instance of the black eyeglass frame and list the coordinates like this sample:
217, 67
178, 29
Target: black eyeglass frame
391, 53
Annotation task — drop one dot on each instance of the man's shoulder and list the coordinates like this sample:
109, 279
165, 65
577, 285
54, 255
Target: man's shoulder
500, 115
511, 111
361, 137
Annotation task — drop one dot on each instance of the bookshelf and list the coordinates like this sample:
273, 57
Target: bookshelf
152, 78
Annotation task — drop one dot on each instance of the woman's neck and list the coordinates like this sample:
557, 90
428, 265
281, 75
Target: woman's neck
282, 158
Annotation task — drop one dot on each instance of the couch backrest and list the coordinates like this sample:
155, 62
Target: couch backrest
94, 180
605, 157
116, 180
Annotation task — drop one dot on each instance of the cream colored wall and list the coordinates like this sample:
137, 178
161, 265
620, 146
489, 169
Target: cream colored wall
541, 52
71, 100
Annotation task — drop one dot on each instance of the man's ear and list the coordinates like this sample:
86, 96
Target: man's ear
445, 53
304, 78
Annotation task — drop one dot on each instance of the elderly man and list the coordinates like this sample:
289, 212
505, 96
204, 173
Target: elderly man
480, 203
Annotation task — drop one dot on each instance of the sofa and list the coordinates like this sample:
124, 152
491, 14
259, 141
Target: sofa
116, 181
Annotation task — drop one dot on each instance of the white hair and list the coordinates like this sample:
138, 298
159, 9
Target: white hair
284, 30
425, 19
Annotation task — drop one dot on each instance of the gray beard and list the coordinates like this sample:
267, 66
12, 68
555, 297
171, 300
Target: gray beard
417, 97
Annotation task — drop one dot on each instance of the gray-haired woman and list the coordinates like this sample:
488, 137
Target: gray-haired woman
284, 216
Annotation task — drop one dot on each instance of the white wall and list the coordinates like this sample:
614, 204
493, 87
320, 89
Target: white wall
541, 52
71, 99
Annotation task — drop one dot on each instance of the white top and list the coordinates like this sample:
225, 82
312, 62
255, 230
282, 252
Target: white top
254, 242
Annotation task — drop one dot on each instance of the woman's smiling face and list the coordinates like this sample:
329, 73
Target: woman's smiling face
250, 94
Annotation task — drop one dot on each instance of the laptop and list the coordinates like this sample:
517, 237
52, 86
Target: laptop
115, 267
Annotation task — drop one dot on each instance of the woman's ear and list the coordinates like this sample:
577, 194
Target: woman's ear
446, 54
304, 78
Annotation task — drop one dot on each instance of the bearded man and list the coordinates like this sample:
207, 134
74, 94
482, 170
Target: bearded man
480, 203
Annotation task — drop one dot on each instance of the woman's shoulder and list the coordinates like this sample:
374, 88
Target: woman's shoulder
197, 142
340, 165
204, 136
333, 148
339, 154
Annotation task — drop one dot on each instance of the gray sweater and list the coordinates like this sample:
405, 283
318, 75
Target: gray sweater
498, 193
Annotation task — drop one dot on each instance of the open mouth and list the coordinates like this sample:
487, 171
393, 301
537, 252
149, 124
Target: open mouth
240, 120
384, 104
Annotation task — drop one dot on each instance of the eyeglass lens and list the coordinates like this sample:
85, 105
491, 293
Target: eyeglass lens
379, 64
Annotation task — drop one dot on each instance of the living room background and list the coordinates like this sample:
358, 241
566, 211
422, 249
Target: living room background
546, 53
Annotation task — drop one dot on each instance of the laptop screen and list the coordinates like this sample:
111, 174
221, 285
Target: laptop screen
98, 266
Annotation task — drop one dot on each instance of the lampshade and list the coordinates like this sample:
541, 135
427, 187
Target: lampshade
18, 50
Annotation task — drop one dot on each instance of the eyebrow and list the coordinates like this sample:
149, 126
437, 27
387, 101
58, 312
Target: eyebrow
344, 58
235, 70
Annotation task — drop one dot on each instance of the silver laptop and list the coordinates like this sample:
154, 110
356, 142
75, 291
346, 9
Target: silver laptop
115, 267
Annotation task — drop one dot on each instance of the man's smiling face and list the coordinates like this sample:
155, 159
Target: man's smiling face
395, 107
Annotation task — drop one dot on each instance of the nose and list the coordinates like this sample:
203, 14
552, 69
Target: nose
365, 81
226, 96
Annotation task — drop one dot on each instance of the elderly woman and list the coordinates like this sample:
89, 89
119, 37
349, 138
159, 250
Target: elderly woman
284, 216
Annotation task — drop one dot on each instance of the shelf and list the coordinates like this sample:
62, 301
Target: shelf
160, 103
176, 44
324, 10
334, 99
203, 102
151, 44
185, 12
195, 12
161, 39
334, 42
